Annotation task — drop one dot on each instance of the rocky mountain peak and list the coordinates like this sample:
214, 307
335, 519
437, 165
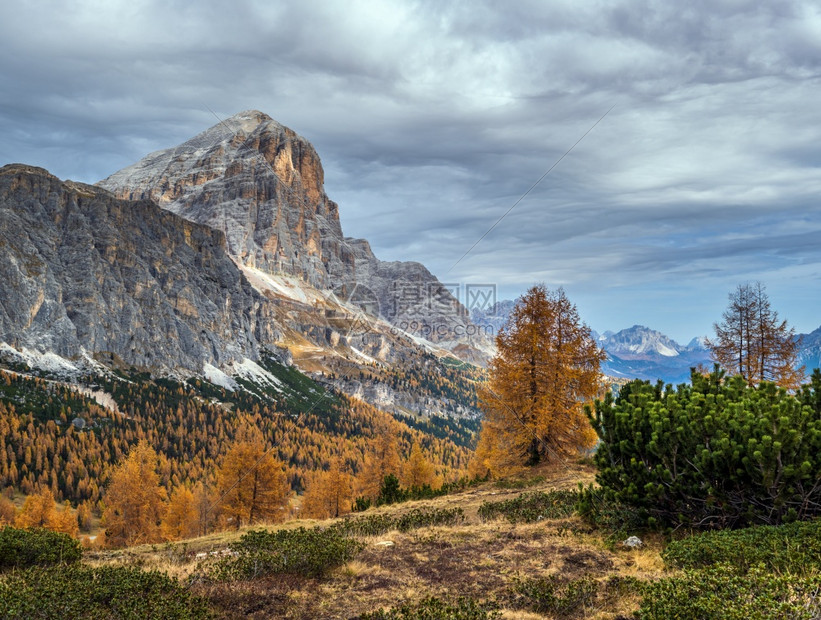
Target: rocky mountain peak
261, 185
640, 340
699, 343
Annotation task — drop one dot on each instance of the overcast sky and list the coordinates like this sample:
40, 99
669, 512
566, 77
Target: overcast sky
433, 118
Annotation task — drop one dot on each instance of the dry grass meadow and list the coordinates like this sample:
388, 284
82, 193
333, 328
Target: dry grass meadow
475, 559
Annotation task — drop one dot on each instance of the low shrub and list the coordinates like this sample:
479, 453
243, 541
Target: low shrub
531, 507
433, 608
523, 483
78, 591
391, 492
619, 586
375, 525
553, 596
371, 525
429, 517
758, 572
722, 593
308, 552
36, 547
793, 548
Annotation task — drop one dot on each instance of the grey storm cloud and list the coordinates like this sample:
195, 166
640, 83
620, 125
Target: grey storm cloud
433, 118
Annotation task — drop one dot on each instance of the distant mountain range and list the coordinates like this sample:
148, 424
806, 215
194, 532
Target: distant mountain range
639, 352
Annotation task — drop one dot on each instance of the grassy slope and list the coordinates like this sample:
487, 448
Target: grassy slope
476, 559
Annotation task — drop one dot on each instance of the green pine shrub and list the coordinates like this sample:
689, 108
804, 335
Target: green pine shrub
531, 507
606, 513
723, 593
390, 492
556, 597
792, 548
307, 552
36, 547
78, 591
713, 454
375, 525
758, 573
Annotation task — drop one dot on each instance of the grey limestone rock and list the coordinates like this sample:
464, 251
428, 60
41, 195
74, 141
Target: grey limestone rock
82, 269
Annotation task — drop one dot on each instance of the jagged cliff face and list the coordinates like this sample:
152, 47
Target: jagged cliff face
81, 269
261, 185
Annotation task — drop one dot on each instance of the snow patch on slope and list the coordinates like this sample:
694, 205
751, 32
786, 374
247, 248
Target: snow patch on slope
282, 285
247, 370
57, 365
666, 351
217, 377
46, 362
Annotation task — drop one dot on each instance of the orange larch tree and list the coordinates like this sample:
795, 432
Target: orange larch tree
134, 499
381, 460
546, 367
251, 483
329, 493
8, 511
181, 518
418, 471
65, 520
38, 511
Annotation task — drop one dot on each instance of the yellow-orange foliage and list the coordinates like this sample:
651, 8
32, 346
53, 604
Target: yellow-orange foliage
84, 516
329, 493
418, 471
382, 459
251, 482
8, 512
65, 521
206, 507
134, 499
39, 511
181, 518
546, 368
190, 434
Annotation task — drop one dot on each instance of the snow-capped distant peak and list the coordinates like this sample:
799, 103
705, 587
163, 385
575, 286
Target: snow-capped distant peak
639, 340
699, 343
